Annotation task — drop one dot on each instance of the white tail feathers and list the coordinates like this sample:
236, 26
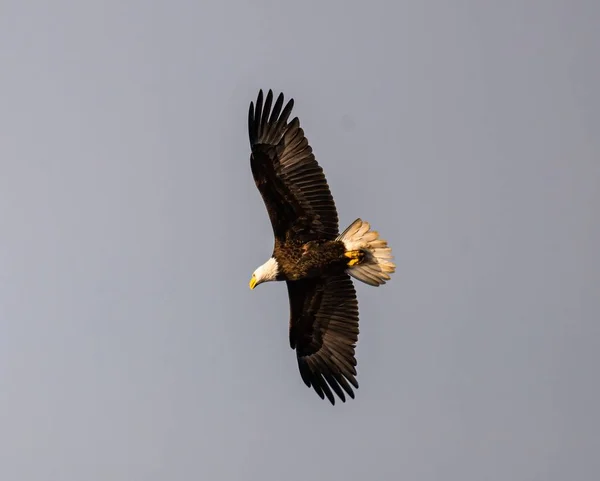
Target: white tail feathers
376, 266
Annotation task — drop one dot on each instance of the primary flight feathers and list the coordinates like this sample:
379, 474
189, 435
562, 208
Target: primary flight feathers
310, 254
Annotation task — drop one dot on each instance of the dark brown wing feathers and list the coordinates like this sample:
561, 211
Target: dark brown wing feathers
286, 173
323, 310
324, 331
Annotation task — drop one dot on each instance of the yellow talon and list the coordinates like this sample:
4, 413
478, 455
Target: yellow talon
354, 256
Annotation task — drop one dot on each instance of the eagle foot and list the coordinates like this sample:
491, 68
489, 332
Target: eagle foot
355, 257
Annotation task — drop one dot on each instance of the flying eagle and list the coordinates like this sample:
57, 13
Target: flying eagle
310, 254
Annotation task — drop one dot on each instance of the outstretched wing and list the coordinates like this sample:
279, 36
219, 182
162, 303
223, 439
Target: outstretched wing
324, 332
290, 180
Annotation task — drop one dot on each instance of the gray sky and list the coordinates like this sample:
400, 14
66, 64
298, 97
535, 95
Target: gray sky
130, 345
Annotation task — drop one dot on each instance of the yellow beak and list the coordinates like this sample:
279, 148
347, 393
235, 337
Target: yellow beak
252, 282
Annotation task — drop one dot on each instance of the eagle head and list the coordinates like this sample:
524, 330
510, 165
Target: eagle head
265, 273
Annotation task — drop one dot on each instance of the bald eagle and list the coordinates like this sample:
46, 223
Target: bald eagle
309, 253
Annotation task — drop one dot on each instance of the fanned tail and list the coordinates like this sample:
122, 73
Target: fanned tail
370, 258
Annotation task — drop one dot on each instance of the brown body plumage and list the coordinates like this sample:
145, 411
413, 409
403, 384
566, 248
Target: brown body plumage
309, 254
299, 260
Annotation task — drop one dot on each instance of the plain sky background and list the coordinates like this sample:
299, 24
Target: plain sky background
131, 348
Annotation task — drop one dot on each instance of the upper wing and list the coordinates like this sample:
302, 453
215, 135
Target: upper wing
324, 332
290, 180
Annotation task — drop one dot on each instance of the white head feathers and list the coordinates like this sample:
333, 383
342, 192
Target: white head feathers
265, 273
